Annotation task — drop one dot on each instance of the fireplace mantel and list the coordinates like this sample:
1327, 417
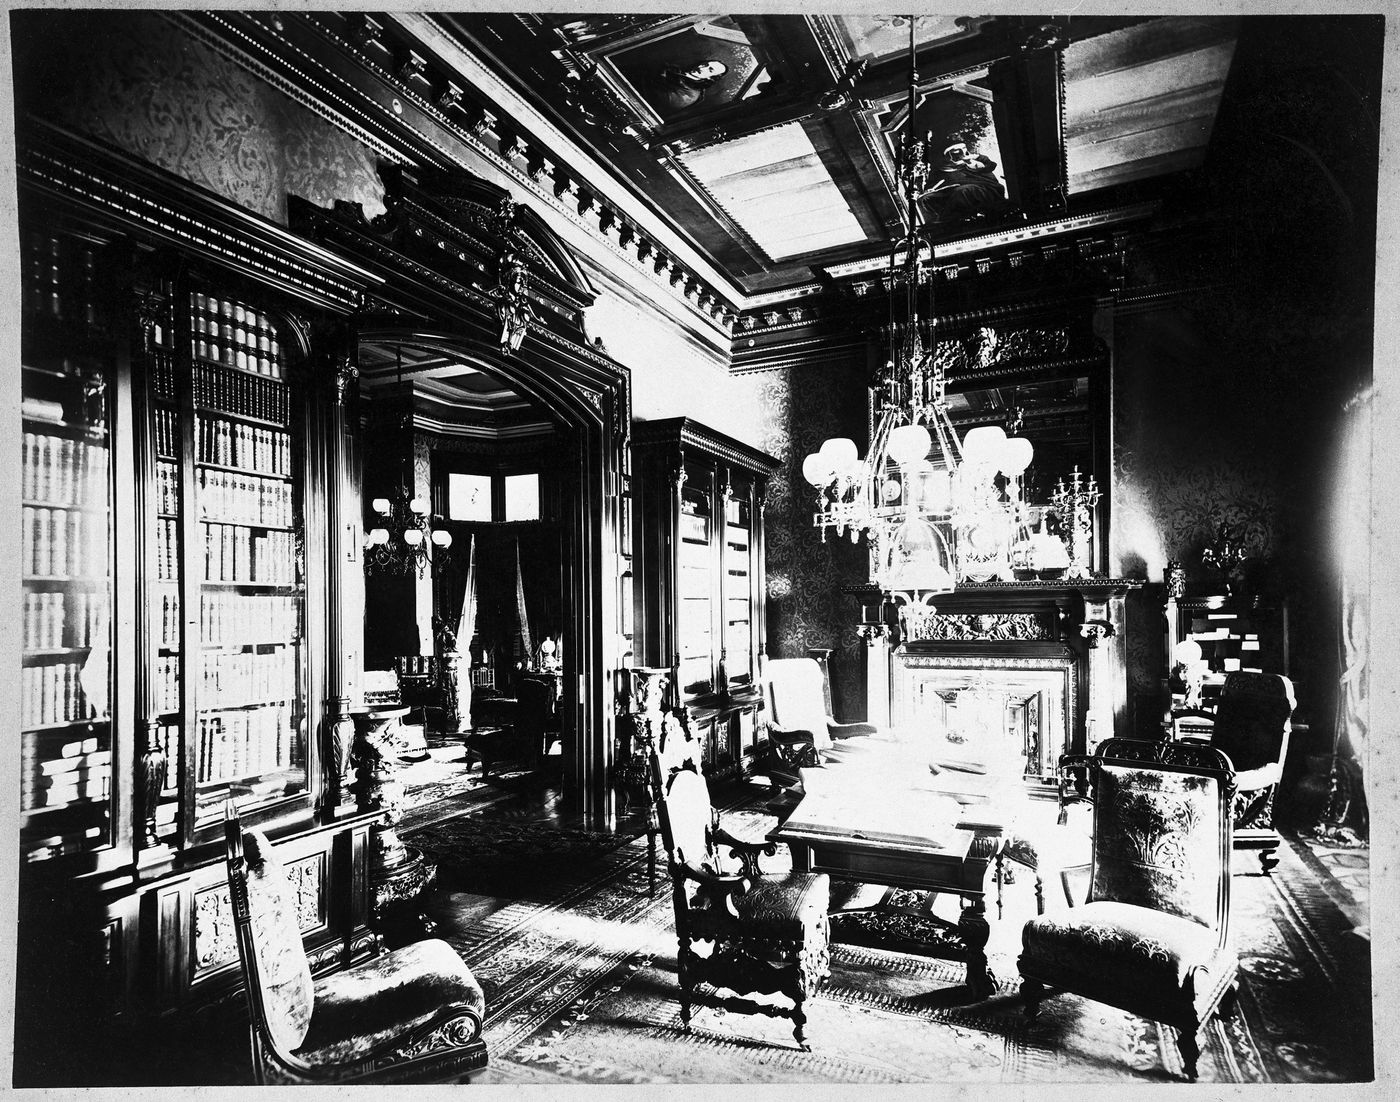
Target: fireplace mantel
1011, 632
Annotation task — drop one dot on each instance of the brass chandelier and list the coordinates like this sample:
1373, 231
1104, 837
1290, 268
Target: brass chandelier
934, 509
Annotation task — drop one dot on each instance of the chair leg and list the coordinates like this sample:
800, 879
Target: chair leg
799, 1021
1032, 991
1190, 1050
1268, 859
683, 976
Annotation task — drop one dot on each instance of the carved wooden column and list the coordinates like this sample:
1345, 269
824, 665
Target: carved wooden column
150, 757
339, 726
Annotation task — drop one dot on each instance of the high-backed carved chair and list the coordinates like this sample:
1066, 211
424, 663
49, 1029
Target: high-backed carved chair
800, 728
1153, 938
1250, 725
411, 1015
769, 933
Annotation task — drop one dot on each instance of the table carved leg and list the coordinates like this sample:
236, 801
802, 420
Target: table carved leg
974, 931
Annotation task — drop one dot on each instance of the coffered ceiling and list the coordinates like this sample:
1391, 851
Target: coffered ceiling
768, 141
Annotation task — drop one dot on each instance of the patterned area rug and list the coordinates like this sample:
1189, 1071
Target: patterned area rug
581, 985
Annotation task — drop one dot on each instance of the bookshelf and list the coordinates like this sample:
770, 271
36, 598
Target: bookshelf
66, 541
1232, 634
228, 598
700, 578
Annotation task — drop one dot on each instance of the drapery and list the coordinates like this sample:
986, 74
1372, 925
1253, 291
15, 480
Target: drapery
522, 616
466, 622
1354, 555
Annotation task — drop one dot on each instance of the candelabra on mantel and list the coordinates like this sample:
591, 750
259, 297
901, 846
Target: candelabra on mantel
1074, 502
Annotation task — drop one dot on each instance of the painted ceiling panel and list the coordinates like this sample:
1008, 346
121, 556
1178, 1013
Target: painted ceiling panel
774, 185
1141, 101
879, 36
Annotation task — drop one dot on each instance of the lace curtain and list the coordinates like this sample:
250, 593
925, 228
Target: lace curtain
1352, 525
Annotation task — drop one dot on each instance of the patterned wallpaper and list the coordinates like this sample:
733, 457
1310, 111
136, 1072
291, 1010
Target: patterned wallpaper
134, 80
798, 409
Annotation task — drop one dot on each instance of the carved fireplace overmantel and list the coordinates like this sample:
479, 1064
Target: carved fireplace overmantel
1055, 651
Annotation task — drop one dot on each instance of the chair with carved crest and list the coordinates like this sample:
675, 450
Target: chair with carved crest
412, 1015
1250, 725
1153, 937
769, 934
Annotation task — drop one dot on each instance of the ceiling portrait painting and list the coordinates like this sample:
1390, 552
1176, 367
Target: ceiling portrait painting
694, 69
964, 182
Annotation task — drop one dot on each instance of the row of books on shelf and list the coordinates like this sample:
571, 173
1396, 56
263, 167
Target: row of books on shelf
244, 499
165, 672
234, 619
167, 487
247, 677
241, 394
247, 447
61, 471
231, 554
234, 554
244, 744
266, 678
55, 781
59, 278
225, 390
76, 618
235, 335
54, 694
62, 543
695, 529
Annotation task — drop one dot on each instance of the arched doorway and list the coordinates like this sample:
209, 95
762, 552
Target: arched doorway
473, 284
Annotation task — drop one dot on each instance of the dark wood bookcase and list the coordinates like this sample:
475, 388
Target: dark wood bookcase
700, 585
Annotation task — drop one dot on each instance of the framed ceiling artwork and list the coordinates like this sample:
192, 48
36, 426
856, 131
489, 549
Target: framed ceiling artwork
966, 183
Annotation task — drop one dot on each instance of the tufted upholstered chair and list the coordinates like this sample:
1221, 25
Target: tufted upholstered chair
801, 730
408, 1016
1250, 725
1153, 938
769, 934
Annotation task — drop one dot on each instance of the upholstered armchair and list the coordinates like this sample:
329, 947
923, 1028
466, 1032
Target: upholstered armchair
801, 730
769, 934
1250, 725
1153, 937
408, 1016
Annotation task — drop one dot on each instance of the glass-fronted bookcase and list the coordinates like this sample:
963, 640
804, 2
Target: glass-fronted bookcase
181, 447
700, 579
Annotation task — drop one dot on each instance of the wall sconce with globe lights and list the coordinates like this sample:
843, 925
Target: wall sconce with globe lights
403, 539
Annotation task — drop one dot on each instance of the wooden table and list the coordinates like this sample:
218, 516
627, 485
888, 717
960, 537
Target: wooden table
908, 839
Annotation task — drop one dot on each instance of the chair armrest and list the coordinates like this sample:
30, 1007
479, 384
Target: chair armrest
851, 730
790, 736
747, 852
724, 883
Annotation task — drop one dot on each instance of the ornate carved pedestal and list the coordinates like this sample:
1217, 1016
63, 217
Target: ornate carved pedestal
398, 875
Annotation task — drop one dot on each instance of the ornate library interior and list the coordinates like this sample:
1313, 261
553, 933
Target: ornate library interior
686, 548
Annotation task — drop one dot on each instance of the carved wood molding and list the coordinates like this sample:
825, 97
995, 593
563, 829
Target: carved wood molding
328, 62
133, 197
682, 431
982, 626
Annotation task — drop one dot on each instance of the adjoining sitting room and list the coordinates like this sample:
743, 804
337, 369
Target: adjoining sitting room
691, 548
